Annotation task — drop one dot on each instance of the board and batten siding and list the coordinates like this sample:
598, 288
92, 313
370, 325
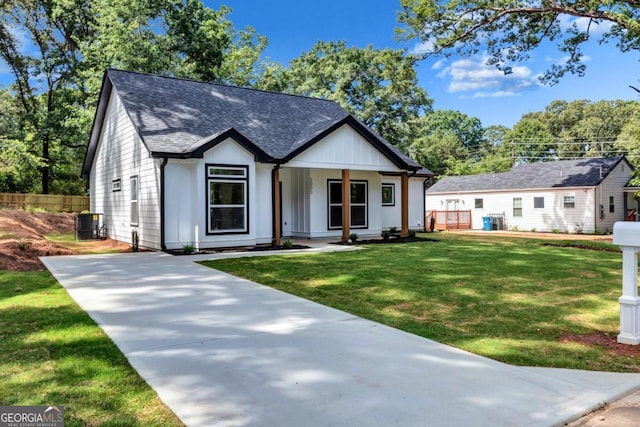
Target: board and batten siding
121, 155
186, 200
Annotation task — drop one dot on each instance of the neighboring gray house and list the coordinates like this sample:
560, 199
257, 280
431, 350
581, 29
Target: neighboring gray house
584, 195
181, 162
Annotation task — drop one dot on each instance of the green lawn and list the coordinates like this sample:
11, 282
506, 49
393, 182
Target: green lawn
51, 352
506, 298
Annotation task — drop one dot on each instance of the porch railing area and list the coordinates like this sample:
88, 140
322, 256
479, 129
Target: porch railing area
449, 220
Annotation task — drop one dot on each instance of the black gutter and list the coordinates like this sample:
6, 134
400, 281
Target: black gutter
163, 246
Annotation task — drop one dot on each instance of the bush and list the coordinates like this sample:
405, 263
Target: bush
353, 237
393, 230
187, 249
412, 234
287, 244
385, 234
24, 244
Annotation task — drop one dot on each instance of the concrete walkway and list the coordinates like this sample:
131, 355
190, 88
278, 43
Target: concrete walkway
223, 351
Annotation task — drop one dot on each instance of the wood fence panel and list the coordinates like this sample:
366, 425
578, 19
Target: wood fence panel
48, 202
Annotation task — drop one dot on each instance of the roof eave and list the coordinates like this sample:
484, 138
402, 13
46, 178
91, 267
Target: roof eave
96, 126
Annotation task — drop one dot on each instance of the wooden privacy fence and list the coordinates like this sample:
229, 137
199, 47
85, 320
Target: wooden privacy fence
450, 220
48, 202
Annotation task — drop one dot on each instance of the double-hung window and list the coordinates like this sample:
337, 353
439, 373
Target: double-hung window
134, 200
517, 206
227, 199
388, 194
569, 201
358, 204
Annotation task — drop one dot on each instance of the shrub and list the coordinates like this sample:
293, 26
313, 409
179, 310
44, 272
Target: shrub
353, 237
23, 244
554, 231
412, 234
287, 244
187, 249
393, 230
533, 230
385, 234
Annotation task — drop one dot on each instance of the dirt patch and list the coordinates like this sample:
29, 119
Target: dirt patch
577, 245
22, 239
610, 342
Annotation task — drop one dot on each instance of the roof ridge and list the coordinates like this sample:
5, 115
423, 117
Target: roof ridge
185, 79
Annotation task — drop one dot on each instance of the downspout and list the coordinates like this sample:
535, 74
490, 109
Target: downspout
273, 204
163, 246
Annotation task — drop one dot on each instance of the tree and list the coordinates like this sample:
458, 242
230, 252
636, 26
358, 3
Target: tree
509, 30
447, 142
379, 87
531, 141
57, 51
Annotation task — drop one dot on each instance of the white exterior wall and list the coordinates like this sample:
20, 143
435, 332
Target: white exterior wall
120, 154
392, 215
613, 186
554, 216
186, 200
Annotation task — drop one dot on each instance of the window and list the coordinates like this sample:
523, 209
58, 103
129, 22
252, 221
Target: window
227, 199
569, 201
388, 194
358, 204
612, 204
134, 200
538, 202
517, 206
116, 185
479, 203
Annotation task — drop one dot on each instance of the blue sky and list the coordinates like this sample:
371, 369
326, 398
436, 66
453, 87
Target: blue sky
464, 84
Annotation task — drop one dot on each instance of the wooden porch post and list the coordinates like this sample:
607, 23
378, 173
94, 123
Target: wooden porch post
404, 210
277, 233
346, 207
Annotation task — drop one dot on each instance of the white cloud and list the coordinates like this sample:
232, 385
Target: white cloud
567, 22
439, 64
424, 47
484, 80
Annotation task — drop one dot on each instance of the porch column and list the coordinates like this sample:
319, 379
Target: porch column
404, 210
277, 233
346, 207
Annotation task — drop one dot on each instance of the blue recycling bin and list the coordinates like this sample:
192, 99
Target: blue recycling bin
486, 221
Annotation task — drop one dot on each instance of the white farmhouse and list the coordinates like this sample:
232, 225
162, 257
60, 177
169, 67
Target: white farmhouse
586, 195
178, 162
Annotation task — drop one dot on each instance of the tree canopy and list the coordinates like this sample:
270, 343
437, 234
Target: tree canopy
378, 86
510, 29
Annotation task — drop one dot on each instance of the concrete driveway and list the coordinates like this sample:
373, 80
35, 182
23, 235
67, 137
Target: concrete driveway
223, 351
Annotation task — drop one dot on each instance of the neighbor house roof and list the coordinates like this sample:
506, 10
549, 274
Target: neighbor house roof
586, 172
184, 118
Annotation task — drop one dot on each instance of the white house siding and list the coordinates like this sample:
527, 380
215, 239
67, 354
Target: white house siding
120, 154
296, 202
392, 215
612, 186
554, 216
182, 216
343, 149
263, 217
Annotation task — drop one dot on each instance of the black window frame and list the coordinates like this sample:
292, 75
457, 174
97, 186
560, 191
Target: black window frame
116, 185
331, 226
392, 186
134, 202
612, 204
481, 204
230, 178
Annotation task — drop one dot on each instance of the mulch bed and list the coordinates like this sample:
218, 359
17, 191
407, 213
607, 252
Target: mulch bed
610, 342
387, 241
258, 248
580, 246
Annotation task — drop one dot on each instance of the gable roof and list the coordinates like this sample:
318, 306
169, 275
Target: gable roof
184, 118
586, 172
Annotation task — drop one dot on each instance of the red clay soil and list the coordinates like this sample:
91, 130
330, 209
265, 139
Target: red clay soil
610, 342
22, 240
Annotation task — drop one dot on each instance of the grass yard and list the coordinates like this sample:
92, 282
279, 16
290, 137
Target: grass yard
510, 299
51, 352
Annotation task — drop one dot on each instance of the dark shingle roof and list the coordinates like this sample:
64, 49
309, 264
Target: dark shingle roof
182, 118
587, 172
